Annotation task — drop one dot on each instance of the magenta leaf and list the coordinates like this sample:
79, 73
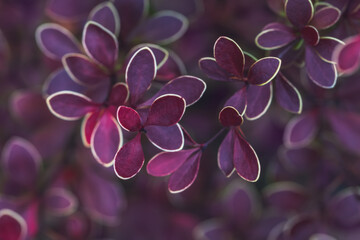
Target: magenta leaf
287, 95
299, 12
129, 159
129, 119
21, 162
188, 87
226, 154
69, 105
245, 159
229, 56
264, 70
326, 46
55, 41
61, 81
238, 101
347, 56
258, 100
168, 139
60, 201
310, 35
325, 17
230, 117
273, 38
87, 127
106, 139
301, 130
106, 14
100, 44
165, 163
320, 72
82, 70
163, 28
140, 71
186, 174
12, 225
119, 94
166, 110
212, 69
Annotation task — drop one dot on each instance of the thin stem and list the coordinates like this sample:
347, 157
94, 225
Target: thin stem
212, 139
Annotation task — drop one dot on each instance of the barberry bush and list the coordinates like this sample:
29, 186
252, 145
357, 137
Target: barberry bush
193, 119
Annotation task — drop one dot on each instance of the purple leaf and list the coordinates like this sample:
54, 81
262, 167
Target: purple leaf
238, 101
347, 56
274, 38
188, 87
168, 139
119, 94
60, 202
299, 12
68, 10
245, 159
310, 35
325, 48
106, 139
61, 81
225, 155
229, 56
163, 28
55, 41
264, 70
277, 6
301, 130
106, 15
129, 119
165, 163
186, 174
320, 72
160, 53
12, 225
230, 117
100, 44
172, 68
166, 110
258, 100
82, 70
212, 69
69, 105
87, 127
129, 159
325, 17
346, 127
287, 95
21, 162
140, 71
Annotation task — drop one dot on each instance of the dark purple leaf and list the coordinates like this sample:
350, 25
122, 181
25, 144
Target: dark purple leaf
100, 44
264, 70
229, 56
129, 119
61, 81
213, 70
60, 202
188, 87
326, 46
82, 70
165, 163
325, 17
106, 139
119, 94
310, 35
130, 158
273, 38
166, 110
55, 41
160, 53
238, 101
140, 71
301, 130
172, 68
68, 10
299, 12
287, 95
230, 117
320, 72
226, 154
245, 159
258, 100
87, 127
106, 15
69, 105
277, 6
12, 225
347, 56
163, 28
168, 139
186, 174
